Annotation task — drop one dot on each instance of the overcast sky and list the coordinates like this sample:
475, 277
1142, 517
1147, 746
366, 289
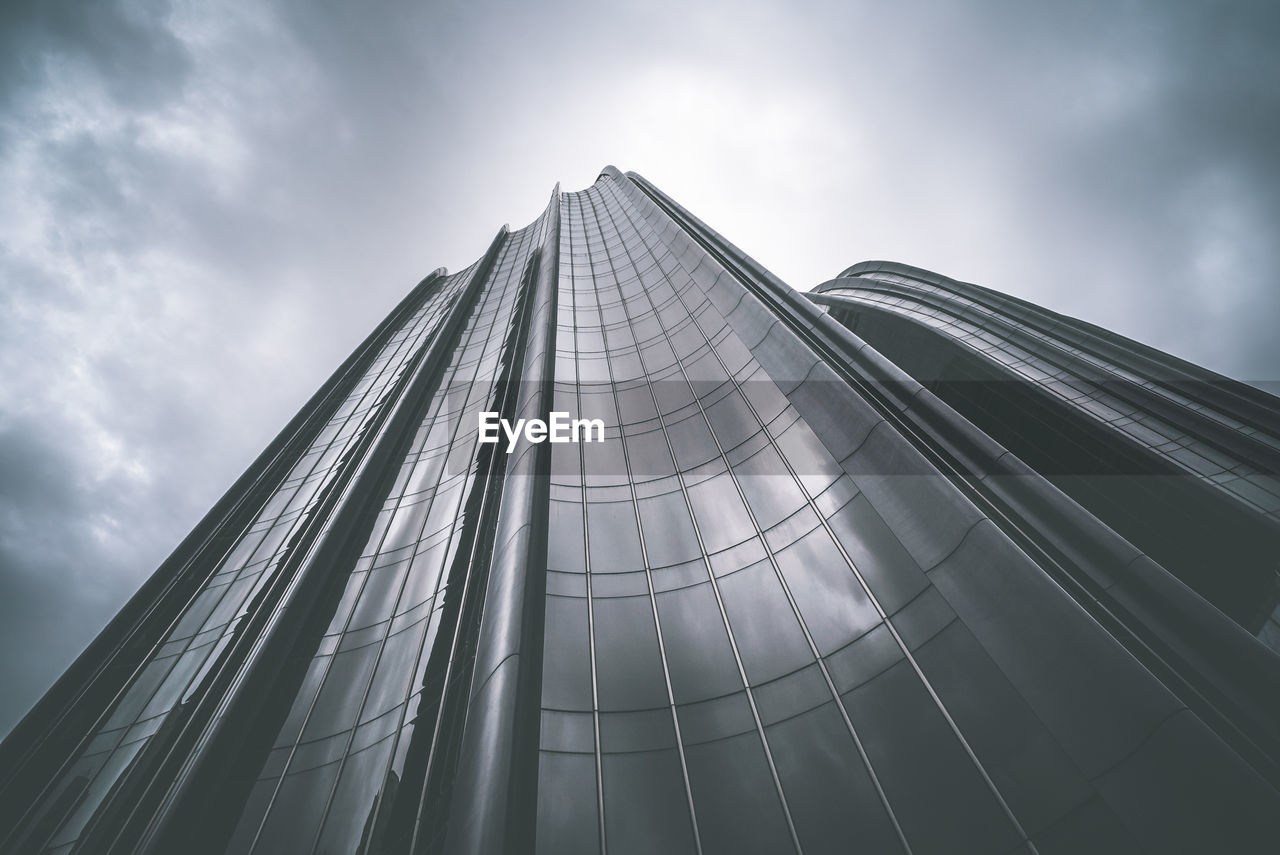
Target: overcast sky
205, 206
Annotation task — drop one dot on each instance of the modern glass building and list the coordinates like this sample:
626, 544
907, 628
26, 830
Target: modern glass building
793, 602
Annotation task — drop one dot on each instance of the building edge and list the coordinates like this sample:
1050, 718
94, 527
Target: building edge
494, 793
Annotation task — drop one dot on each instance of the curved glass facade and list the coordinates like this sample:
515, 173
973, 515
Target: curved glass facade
763, 615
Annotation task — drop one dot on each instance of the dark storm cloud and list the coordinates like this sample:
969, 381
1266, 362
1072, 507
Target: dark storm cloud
127, 46
49, 580
203, 209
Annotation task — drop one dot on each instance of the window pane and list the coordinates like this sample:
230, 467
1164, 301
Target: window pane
833, 604
768, 636
698, 652
645, 806
628, 665
734, 797
568, 821
669, 535
566, 662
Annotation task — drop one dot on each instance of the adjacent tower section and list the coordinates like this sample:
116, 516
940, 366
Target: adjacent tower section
780, 608
1181, 461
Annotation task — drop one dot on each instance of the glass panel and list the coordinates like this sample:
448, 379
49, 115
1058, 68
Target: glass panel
698, 652
615, 542
834, 606
645, 807
568, 819
296, 813
734, 797
772, 494
343, 689
722, 518
936, 792
363, 784
668, 517
566, 661
565, 546
628, 664
768, 637
832, 799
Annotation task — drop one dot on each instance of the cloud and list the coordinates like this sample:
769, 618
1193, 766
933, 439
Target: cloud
205, 208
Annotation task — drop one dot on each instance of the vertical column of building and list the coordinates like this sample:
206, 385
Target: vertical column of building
350, 764
367, 756
189, 801
496, 538
50, 741
495, 791
238, 690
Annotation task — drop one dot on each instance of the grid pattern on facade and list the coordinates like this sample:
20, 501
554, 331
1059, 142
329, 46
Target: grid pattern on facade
719, 672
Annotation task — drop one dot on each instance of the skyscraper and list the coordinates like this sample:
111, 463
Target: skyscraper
792, 602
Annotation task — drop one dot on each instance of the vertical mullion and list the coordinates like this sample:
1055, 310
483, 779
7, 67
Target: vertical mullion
586, 544
786, 588
644, 553
498, 296
902, 645
697, 529
403, 583
293, 748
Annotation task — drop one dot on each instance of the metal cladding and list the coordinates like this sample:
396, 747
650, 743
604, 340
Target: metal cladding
792, 602
1177, 459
